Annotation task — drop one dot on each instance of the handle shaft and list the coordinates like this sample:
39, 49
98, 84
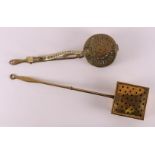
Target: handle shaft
56, 56
17, 61
33, 80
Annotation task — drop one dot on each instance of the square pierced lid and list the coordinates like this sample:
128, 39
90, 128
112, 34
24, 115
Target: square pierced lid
130, 100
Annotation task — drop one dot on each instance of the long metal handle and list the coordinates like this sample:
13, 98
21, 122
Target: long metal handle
56, 56
34, 80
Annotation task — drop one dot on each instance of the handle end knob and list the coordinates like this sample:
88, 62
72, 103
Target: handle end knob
13, 76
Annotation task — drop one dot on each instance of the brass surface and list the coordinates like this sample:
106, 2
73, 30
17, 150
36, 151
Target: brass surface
100, 50
129, 100
56, 56
34, 80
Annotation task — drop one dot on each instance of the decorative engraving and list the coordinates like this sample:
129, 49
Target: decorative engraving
100, 50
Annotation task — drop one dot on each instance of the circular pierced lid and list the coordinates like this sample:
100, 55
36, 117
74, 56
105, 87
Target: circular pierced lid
100, 50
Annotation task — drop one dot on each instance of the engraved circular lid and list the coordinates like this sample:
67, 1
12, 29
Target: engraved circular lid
100, 50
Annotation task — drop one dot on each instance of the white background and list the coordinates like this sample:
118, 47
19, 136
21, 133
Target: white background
62, 141
24, 104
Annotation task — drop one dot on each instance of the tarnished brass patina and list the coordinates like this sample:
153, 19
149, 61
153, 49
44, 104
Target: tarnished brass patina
100, 50
129, 100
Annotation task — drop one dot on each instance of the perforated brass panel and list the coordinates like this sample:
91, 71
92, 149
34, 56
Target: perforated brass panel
100, 50
130, 100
